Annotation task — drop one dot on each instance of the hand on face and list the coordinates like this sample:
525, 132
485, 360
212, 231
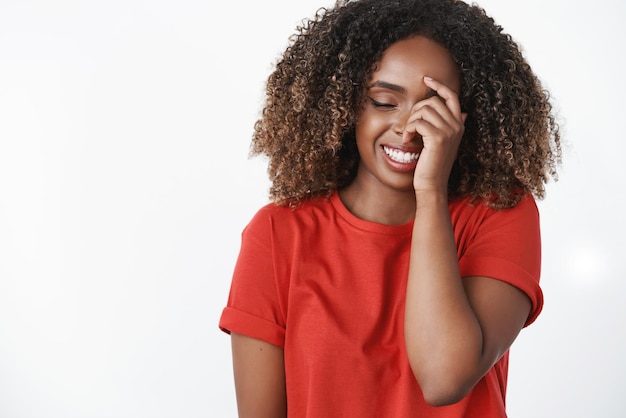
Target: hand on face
440, 123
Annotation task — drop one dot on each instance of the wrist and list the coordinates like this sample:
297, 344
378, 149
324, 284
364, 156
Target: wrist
431, 196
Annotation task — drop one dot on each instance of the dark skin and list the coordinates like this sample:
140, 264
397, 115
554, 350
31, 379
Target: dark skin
259, 373
408, 134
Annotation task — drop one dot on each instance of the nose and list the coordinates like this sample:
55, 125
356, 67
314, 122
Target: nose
399, 127
399, 124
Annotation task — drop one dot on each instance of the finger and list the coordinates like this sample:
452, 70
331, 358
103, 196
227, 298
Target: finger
418, 129
428, 123
439, 105
436, 109
449, 96
438, 116
433, 122
427, 132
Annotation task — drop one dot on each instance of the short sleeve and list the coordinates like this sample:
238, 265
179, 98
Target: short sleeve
253, 307
506, 245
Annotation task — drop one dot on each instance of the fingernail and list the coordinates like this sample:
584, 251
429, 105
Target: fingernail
428, 78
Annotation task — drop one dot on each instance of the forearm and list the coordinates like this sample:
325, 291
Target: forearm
259, 378
443, 336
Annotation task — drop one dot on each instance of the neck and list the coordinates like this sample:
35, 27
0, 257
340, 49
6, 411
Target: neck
382, 205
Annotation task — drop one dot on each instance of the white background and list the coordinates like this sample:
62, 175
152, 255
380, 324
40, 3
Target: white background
125, 183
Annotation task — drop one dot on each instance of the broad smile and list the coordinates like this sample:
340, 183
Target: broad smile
401, 159
399, 156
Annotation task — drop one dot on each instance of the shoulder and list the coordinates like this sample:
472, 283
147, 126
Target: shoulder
464, 211
283, 218
512, 233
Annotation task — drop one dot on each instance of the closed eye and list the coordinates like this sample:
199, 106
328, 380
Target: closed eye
383, 105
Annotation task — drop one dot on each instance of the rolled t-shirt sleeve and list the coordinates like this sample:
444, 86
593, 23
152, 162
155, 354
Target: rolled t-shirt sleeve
506, 245
254, 307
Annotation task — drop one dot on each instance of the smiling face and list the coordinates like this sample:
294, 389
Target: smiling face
396, 86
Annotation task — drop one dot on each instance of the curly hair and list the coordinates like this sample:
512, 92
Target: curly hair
511, 145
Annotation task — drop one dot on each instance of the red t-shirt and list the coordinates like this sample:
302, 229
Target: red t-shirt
329, 288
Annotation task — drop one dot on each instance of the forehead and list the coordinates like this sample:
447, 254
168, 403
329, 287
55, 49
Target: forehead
406, 62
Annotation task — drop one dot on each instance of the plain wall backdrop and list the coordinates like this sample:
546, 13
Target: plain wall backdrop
125, 183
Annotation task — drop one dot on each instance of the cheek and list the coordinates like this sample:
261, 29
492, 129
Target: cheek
363, 135
368, 127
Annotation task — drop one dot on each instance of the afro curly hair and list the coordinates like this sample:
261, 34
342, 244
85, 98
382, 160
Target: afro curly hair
511, 145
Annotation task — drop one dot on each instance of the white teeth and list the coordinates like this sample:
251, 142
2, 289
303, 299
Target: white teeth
400, 156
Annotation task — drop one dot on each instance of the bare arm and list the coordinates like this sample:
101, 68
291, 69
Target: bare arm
259, 378
455, 329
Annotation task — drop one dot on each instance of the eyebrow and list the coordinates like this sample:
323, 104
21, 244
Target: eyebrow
389, 86
395, 87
